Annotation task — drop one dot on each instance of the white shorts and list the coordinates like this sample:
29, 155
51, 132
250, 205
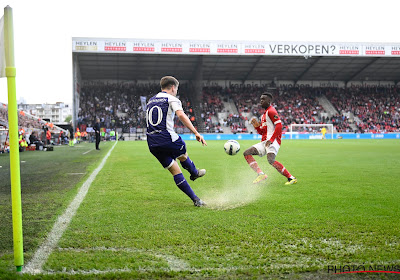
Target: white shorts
262, 150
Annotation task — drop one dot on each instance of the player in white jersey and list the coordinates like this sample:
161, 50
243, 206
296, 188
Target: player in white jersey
164, 143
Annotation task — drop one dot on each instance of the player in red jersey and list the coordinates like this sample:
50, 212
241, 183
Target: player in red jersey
271, 130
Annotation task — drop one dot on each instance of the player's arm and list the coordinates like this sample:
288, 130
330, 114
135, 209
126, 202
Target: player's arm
186, 122
257, 126
254, 122
261, 130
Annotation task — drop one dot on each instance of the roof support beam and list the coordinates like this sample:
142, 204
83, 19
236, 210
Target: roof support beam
198, 67
362, 69
306, 70
209, 78
252, 69
197, 81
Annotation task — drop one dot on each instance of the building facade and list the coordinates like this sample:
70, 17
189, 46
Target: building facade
54, 113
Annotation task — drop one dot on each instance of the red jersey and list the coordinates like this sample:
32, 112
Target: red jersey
271, 126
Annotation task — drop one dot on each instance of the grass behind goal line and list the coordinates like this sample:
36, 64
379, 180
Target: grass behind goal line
49, 181
135, 222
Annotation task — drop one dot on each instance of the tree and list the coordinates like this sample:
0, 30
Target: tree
68, 119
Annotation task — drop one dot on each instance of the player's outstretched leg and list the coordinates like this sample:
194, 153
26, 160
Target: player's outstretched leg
184, 186
281, 169
248, 155
189, 165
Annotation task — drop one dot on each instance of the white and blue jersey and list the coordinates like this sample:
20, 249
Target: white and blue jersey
160, 115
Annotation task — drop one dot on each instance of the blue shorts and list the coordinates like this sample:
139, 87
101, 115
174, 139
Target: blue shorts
168, 153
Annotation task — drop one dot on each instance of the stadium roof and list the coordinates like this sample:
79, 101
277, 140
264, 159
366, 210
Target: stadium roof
140, 59
243, 68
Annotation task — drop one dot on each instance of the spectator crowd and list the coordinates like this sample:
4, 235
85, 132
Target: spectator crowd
365, 109
31, 130
27, 122
377, 108
122, 105
119, 105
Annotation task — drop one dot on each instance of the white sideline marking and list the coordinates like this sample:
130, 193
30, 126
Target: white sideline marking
227, 269
87, 152
44, 251
88, 272
174, 263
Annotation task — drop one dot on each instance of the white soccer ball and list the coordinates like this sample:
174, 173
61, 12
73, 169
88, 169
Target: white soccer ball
232, 147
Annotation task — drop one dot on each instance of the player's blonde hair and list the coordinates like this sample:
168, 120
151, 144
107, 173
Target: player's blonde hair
168, 81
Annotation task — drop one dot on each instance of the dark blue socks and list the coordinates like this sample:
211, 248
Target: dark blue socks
189, 166
181, 182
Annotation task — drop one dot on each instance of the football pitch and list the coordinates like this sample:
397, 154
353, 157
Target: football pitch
134, 222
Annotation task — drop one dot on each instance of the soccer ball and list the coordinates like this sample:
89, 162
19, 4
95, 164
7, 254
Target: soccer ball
232, 147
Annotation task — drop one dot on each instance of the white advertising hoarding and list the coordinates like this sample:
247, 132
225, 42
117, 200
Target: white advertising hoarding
104, 45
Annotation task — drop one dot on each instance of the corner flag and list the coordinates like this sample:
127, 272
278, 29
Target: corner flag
8, 70
2, 54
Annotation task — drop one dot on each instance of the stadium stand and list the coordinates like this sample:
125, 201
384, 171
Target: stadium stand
372, 109
116, 104
229, 109
294, 105
188, 108
24, 120
29, 123
375, 109
211, 105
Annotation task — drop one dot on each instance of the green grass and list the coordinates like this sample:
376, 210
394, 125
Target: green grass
49, 181
135, 223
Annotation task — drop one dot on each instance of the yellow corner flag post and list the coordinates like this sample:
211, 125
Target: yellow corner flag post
14, 144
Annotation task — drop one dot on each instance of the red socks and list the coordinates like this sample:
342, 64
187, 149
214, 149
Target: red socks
281, 169
253, 163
